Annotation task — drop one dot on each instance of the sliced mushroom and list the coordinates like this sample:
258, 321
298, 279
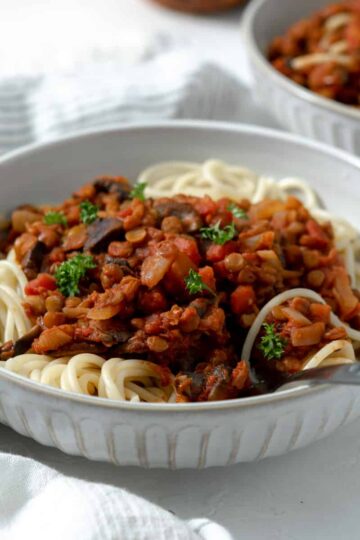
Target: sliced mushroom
101, 232
6, 351
118, 185
78, 348
32, 260
23, 344
189, 217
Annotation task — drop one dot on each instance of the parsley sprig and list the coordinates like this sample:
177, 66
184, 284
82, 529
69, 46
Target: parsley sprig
88, 212
194, 283
55, 218
217, 235
70, 272
138, 192
271, 344
237, 212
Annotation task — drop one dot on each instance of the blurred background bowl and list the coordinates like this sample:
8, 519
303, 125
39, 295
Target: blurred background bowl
292, 105
200, 6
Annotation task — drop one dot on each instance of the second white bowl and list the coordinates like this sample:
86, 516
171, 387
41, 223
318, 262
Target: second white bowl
293, 106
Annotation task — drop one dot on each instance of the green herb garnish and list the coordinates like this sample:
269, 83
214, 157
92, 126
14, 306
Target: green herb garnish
138, 191
70, 272
88, 212
55, 218
237, 212
271, 344
194, 283
217, 235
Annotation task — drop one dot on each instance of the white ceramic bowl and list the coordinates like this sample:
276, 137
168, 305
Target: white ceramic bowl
184, 435
294, 107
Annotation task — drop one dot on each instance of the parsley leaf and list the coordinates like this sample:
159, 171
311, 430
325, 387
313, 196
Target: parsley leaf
71, 271
88, 212
194, 283
138, 191
217, 235
55, 218
237, 212
271, 344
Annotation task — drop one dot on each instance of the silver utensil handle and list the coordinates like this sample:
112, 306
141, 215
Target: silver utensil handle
342, 374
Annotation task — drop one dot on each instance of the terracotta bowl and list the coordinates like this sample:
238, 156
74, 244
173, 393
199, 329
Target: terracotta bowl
200, 6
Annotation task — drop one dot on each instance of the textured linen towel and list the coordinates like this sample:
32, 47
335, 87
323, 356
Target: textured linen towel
38, 502
106, 91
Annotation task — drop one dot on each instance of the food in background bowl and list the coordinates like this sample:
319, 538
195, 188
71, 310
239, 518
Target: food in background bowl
322, 52
294, 106
144, 293
200, 6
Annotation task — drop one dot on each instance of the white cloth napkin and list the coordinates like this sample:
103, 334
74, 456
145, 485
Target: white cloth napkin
38, 502
104, 90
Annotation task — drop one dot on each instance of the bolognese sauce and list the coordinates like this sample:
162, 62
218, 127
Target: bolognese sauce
179, 281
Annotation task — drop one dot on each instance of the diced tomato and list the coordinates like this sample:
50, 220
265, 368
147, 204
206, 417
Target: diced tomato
205, 206
242, 299
43, 283
220, 269
307, 335
251, 258
174, 280
315, 229
125, 212
57, 255
318, 237
187, 245
320, 312
165, 374
240, 375
152, 301
207, 276
215, 252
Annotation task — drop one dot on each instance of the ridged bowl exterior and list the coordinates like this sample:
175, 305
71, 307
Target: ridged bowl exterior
294, 107
175, 439
184, 435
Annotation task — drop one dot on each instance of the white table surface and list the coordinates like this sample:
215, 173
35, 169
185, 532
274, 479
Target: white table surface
310, 494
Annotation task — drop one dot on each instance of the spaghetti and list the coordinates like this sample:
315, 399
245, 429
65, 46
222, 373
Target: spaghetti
218, 179
90, 374
150, 294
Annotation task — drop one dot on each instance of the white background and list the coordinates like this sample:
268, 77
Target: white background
310, 494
